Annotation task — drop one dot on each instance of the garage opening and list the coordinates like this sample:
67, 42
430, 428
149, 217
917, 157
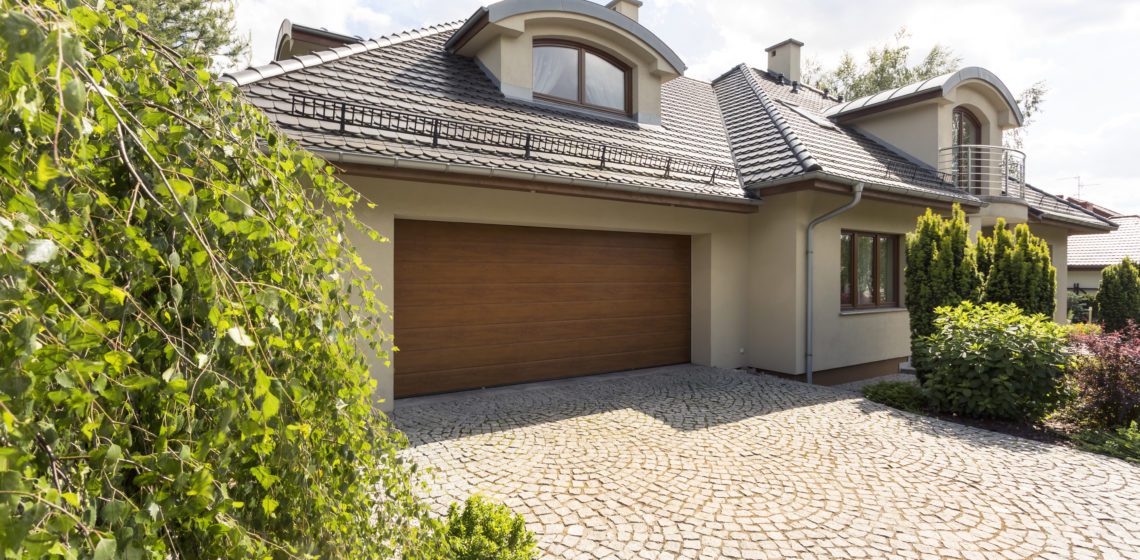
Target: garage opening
483, 305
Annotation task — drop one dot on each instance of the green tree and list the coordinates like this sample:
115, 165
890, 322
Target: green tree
1018, 269
181, 322
1119, 296
886, 67
941, 270
196, 28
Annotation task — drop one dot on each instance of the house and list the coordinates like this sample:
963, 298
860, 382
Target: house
1089, 254
562, 200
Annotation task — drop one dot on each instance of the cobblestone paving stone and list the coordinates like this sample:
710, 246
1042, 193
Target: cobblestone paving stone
696, 462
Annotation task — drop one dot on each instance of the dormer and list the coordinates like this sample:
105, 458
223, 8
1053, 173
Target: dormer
953, 123
571, 53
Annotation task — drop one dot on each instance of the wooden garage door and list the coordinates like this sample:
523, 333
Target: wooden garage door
482, 305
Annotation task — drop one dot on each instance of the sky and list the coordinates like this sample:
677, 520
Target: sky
1086, 52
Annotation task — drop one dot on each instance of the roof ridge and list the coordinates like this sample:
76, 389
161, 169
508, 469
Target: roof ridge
315, 58
803, 157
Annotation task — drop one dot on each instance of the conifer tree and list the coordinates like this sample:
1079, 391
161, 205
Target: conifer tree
1119, 295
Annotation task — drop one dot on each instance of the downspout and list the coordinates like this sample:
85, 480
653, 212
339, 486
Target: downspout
857, 192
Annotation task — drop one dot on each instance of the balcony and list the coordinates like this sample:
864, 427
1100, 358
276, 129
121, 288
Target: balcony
988, 171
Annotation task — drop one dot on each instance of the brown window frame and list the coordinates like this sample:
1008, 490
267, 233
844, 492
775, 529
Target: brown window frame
852, 273
966, 165
581, 101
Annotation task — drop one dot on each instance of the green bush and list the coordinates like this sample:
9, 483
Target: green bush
1123, 443
1082, 307
180, 316
1017, 269
488, 531
994, 361
898, 394
941, 270
1119, 296
1075, 330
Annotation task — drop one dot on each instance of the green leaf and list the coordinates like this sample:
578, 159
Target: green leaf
270, 405
107, 549
268, 505
238, 335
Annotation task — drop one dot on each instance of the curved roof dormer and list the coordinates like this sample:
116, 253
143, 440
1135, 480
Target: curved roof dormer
941, 87
501, 38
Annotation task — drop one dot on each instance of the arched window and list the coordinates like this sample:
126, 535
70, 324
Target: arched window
967, 128
571, 73
967, 152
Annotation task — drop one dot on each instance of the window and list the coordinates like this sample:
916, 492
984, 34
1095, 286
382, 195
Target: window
868, 270
571, 73
967, 137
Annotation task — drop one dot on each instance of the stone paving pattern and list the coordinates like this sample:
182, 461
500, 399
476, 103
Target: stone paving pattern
696, 462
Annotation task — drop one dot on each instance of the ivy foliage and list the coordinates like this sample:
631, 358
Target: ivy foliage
941, 270
181, 319
1119, 296
1018, 269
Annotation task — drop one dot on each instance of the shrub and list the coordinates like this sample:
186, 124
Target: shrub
180, 374
1119, 296
992, 360
898, 394
1120, 442
1018, 269
1105, 378
1075, 330
488, 531
1082, 307
940, 270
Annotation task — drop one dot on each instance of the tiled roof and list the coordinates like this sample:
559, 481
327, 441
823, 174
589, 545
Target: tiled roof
941, 84
752, 126
1100, 250
777, 133
1055, 208
413, 74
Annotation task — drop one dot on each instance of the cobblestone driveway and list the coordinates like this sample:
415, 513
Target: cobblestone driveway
694, 462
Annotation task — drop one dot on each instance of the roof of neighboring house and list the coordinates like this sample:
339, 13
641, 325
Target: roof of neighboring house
1104, 249
940, 85
403, 100
1093, 207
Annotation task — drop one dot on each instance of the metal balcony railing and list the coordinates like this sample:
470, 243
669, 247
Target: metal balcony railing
984, 170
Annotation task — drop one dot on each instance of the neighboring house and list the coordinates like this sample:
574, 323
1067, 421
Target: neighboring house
563, 201
1089, 254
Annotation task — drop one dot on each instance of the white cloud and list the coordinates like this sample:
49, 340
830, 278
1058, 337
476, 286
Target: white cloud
1084, 50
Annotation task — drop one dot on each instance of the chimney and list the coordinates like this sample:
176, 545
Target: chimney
784, 58
627, 8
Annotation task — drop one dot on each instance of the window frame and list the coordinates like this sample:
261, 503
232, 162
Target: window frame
627, 73
853, 271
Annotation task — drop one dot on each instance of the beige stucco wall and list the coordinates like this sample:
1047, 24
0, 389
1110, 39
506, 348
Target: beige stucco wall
720, 246
908, 128
1088, 279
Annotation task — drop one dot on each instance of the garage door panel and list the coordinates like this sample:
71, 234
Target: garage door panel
509, 313
414, 361
456, 336
413, 295
483, 305
471, 378
524, 273
453, 232
530, 253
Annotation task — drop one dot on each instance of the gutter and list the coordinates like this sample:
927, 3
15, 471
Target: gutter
857, 196
338, 156
913, 192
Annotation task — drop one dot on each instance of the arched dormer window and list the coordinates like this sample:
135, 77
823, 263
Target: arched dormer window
575, 74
